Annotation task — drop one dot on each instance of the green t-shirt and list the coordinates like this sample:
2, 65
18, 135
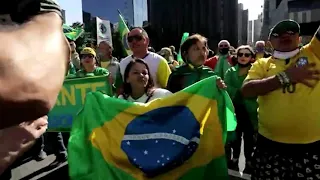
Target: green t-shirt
99, 71
234, 83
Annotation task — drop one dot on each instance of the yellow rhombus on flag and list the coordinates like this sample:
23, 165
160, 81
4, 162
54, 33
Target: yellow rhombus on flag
178, 137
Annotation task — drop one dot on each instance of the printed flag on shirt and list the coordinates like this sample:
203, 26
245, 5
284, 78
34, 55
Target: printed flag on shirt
178, 137
71, 33
124, 30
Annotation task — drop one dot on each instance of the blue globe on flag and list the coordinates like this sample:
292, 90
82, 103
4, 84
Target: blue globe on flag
158, 145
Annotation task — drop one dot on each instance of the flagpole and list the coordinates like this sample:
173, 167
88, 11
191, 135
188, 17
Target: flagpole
119, 11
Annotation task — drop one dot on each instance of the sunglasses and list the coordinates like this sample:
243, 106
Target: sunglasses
281, 33
135, 37
244, 54
83, 56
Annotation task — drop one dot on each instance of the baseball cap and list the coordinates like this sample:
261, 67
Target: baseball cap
88, 50
285, 26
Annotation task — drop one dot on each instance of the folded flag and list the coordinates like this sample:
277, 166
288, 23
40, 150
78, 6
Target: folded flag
124, 30
178, 137
71, 33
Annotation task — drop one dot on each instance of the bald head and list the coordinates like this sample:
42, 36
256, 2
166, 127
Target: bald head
260, 43
260, 46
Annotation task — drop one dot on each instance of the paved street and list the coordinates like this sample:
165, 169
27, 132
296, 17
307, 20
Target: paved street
32, 170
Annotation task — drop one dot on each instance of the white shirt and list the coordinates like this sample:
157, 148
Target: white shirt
158, 93
155, 62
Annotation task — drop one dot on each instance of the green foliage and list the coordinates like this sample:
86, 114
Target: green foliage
89, 37
118, 50
86, 38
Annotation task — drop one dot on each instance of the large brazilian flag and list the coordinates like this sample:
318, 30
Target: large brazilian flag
178, 137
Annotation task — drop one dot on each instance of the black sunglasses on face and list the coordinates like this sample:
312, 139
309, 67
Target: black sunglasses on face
135, 37
244, 54
86, 56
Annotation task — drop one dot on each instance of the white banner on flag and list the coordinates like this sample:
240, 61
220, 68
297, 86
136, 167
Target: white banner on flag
103, 31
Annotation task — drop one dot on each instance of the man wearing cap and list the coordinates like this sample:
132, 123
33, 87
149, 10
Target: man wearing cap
288, 90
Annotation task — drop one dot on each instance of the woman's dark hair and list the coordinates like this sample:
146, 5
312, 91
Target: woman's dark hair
191, 40
127, 87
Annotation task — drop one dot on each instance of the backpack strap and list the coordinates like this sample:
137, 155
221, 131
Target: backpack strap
150, 96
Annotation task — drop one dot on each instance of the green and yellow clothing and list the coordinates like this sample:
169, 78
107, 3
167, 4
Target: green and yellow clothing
98, 71
71, 71
292, 118
186, 75
234, 83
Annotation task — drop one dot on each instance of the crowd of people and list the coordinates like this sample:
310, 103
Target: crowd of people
275, 94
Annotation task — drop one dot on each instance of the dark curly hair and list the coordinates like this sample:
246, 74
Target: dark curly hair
127, 86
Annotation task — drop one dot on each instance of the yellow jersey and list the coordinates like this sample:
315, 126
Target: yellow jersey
289, 117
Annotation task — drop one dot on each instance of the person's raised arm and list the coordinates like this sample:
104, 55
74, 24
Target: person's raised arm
258, 86
33, 62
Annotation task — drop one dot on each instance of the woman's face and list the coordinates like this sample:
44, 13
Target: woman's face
244, 56
88, 60
138, 75
197, 53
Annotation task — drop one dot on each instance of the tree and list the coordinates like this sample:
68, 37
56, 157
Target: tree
85, 38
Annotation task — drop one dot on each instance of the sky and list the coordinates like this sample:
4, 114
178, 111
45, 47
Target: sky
73, 10
254, 7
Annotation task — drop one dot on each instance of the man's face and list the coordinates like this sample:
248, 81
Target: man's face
137, 42
105, 49
285, 42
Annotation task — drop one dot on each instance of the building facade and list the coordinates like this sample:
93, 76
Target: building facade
229, 21
240, 9
245, 24
134, 11
250, 33
257, 26
167, 25
63, 12
273, 12
305, 12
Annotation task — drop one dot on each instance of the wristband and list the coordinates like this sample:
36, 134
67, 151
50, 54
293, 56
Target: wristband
285, 78
280, 78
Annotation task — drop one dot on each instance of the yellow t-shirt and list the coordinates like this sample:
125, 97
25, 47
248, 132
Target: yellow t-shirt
105, 64
289, 117
259, 56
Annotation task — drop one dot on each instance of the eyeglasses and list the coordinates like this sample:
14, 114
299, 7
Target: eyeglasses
134, 37
244, 54
83, 56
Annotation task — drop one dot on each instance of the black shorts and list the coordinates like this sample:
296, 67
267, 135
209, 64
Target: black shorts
278, 161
